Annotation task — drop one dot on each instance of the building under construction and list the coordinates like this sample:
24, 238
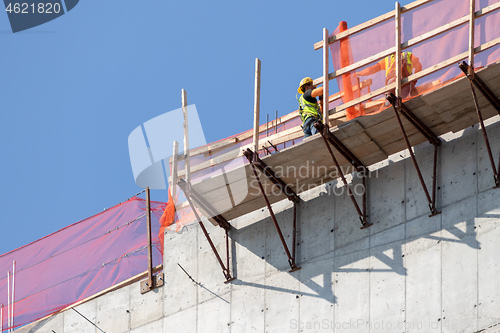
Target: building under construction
386, 220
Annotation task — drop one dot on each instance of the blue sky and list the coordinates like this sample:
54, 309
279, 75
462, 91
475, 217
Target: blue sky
73, 89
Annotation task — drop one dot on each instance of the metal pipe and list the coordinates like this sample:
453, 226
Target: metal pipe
434, 176
485, 90
364, 197
413, 158
207, 236
273, 217
429, 135
485, 135
341, 175
498, 172
150, 250
341, 148
294, 236
1, 317
227, 249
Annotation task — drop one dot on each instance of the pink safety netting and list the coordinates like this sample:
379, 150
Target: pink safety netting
78, 261
359, 46
430, 52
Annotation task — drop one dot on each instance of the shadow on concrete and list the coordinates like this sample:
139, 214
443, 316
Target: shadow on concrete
390, 254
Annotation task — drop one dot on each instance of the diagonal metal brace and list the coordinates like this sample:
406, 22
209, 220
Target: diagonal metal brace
340, 147
483, 88
256, 163
475, 78
328, 137
399, 107
202, 203
269, 173
191, 196
415, 121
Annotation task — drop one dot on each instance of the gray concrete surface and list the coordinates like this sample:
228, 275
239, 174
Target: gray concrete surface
407, 273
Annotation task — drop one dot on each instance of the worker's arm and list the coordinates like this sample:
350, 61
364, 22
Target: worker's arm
416, 63
370, 70
317, 92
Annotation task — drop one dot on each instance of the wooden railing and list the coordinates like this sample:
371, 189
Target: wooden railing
339, 112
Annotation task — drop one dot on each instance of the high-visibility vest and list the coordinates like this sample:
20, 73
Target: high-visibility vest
308, 109
390, 65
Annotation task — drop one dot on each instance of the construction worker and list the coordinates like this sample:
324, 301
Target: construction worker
310, 110
409, 63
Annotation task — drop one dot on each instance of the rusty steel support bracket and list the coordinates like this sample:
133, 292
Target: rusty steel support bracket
474, 78
269, 173
329, 138
203, 204
483, 88
340, 147
257, 163
399, 107
153, 281
192, 195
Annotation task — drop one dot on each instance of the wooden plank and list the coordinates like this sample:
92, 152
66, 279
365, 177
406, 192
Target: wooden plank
370, 23
300, 184
174, 177
277, 139
187, 165
487, 10
357, 65
256, 107
472, 16
363, 98
397, 57
415, 139
358, 140
355, 29
326, 81
449, 62
435, 32
224, 144
340, 113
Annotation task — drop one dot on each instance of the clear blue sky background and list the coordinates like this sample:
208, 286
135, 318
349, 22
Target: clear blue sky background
73, 89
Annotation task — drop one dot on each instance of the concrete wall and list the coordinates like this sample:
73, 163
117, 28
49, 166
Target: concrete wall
406, 273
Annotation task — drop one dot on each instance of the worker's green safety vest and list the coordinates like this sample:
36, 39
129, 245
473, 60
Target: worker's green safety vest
308, 109
407, 65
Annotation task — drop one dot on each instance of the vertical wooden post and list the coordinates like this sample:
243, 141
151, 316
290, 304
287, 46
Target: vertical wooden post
12, 300
150, 250
397, 58
472, 19
256, 108
326, 81
187, 164
8, 301
173, 176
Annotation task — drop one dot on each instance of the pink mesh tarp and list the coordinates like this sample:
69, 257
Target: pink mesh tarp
79, 261
430, 52
378, 38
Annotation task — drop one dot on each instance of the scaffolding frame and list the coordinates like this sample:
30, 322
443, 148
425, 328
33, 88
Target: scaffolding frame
257, 163
330, 139
476, 81
399, 107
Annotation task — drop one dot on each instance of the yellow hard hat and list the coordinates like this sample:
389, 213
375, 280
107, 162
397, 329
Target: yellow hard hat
303, 82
